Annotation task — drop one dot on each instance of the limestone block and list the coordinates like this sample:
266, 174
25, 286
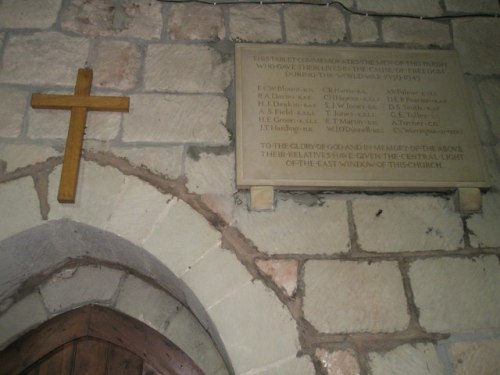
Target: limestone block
400, 224
363, 29
180, 237
245, 319
286, 231
143, 302
117, 64
74, 287
221, 204
19, 156
490, 92
189, 335
417, 8
43, 58
211, 174
195, 22
254, 23
289, 366
483, 227
418, 359
342, 362
479, 52
415, 32
31, 14
128, 18
96, 196
24, 315
454, 295
137, 210
2, 35
19, 206
476, 357
186, 68
308, 24
283, 272
176, 119
12, 105
347, 296
477, 6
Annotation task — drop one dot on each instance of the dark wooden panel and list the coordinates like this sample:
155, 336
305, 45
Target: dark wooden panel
91, 357
123, 362
59, 363
149, 370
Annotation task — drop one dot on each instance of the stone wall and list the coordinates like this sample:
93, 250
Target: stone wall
328, 283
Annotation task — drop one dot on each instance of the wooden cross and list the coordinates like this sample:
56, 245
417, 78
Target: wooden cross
79, 103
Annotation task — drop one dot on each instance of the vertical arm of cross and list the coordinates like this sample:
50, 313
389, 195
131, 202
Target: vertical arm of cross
73, 150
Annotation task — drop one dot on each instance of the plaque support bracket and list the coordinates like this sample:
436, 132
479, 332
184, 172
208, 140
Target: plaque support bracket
468, 200
261, 198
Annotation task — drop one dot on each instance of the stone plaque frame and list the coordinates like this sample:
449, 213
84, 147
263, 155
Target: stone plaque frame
335, 118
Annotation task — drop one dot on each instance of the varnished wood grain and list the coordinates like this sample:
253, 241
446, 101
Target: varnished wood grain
92, 103
60, 363
91, 357
123, 362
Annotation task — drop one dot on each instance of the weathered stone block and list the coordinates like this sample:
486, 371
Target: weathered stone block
407, 224
43, 58
477, 6
454, 295
254, 23
415, 32
363, 29
12, 104
284, 273
284, 231
19, 156
195, 22
476, 357
31, 14
483, 227
490, 92
289, 366
348, 296
338, 363
211, 174
176, 119
308, 24
418, 8
186, 68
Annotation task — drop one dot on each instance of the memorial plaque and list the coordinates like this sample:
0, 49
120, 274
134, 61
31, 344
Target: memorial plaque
354, 118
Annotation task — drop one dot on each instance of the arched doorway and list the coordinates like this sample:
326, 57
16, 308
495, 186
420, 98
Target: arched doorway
95, 340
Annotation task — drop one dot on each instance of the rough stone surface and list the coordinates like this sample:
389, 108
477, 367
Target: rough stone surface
104, 17
19, 156
25, 314
308, 24
180, 237
221, 204
43, 58
288, 366
72, 287
407, 224
418, 8
254, 23
12, 105
415, 32
243, 319
117, 64
285, 230
189, 335
490, 92
479, 52
32, 14
348, 296
338, 362
477, 6
283, 272
186, 68
483, 227
19, 207
448, 292
211, 174
176, 119
195, 22
363, 29
151, 306
477, 357
418, 359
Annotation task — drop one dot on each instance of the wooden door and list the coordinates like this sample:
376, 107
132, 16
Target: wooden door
94, 340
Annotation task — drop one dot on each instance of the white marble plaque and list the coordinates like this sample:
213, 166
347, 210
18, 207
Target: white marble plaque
354, 118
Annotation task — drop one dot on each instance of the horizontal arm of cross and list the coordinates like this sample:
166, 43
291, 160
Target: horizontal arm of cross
92, 103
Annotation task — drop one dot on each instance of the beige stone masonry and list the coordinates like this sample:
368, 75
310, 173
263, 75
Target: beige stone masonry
12, 105
477, 6
338, 362
31, 14
176, 119
186, 68
254, 23
363, 29
19, 156
348, 296
307, 24
195, 22
289, 366
211, 174
484, 227
283, 272
397, 224
448, 292
476, 357
43, 58
490, 92
415, 32
419, 8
